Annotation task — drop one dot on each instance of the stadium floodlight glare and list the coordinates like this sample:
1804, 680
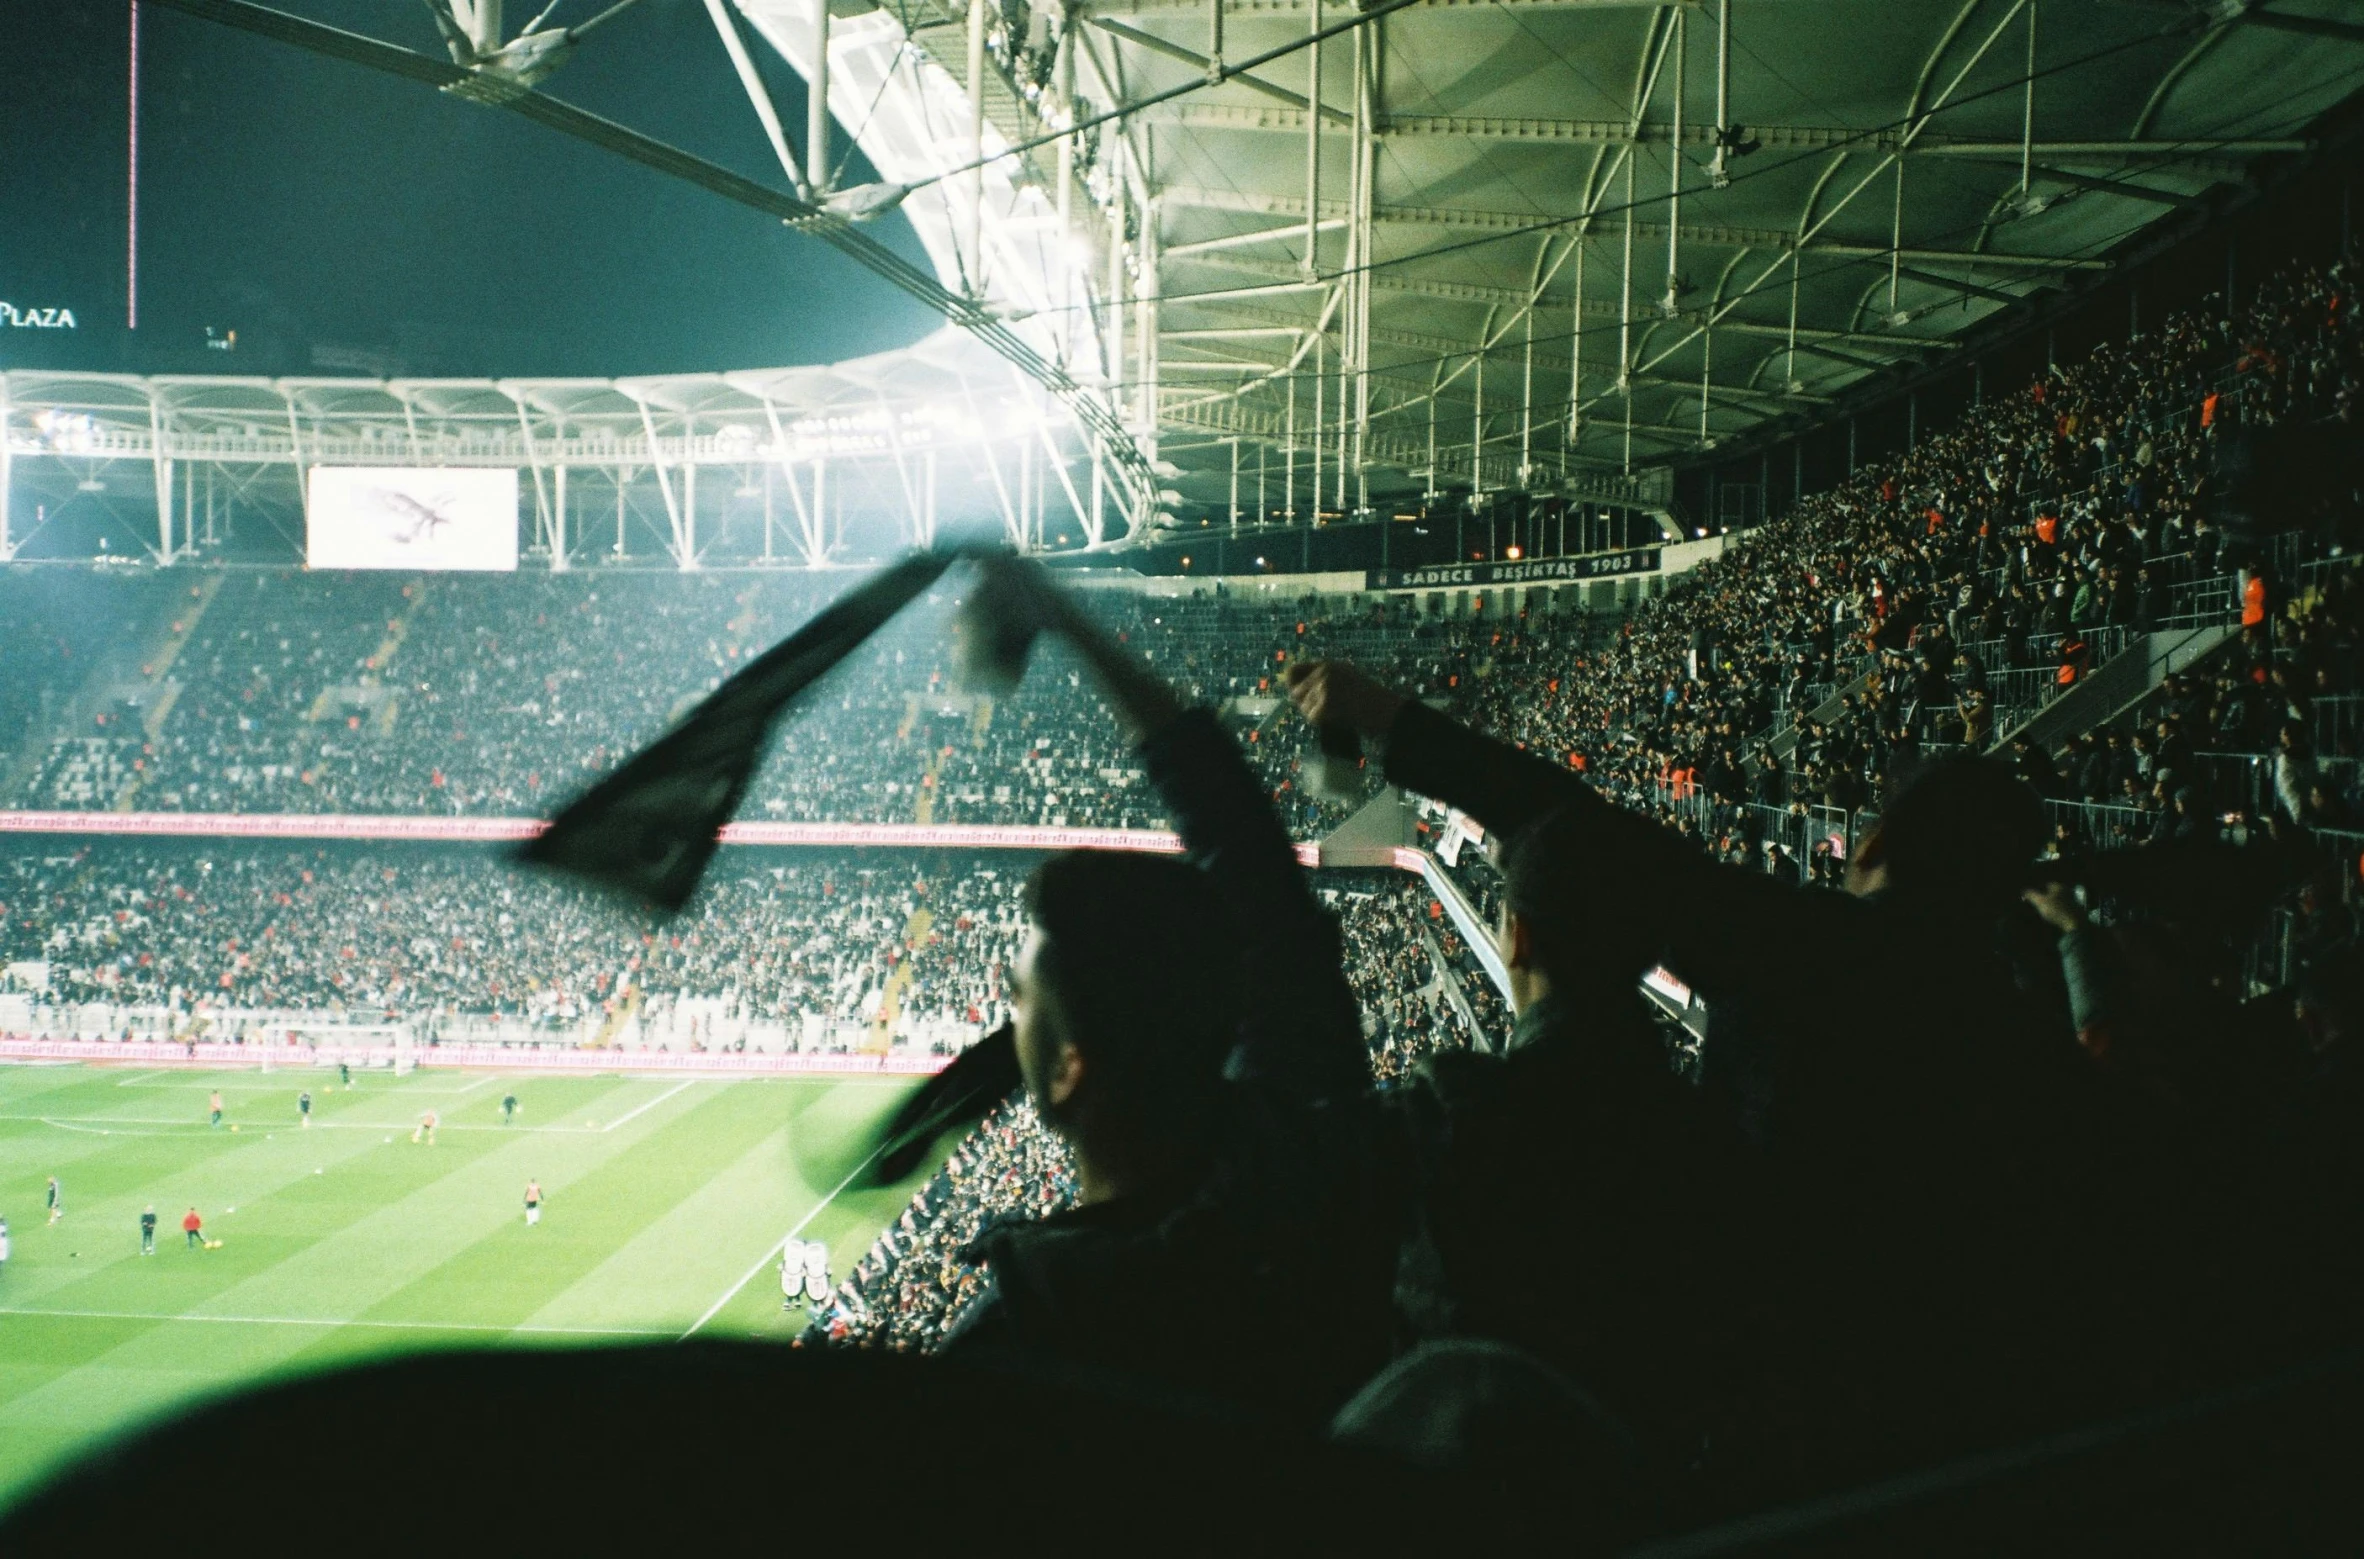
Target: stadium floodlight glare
66, 432
862, 202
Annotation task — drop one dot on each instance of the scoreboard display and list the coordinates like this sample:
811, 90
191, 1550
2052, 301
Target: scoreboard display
452, 517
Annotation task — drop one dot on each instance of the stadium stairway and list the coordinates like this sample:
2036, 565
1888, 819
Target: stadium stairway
1442, 968
916, 932
611, 1032
1784, 738
117, 681
925, 811
2118, 684
371, 691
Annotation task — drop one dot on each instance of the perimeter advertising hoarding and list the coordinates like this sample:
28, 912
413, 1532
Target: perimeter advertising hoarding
408, 517
1540, 571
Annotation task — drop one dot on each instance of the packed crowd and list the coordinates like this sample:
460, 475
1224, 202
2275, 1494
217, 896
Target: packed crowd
1400, 959
803, 952
57, 626
1931, 602
919, 1277
1939, 595
806, 954
462, 694
2268, 734
2083, 1124
1897, 621
1984, 1159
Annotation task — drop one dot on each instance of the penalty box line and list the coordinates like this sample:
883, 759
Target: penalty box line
331, 1323
298, 1077
179, 1127
765, 1259
98, 1122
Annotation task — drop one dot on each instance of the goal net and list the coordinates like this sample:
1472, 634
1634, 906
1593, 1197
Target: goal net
361, 1046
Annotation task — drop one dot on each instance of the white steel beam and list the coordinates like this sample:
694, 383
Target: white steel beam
656, 460
161, 460
1337, 212
816, 119
759, 96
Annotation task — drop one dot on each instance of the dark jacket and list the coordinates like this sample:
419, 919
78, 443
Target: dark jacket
1578, 1199
1263, 1289
1922, 1126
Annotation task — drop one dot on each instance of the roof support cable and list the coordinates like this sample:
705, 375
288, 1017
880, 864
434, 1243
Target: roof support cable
976, 168
816, 117
1673, 300
1366, 60
1289, 457
1432, 492
1625, 321
1896, 245
1576, 367
2027, 113
1707, 356
1789, 373
1313, 144
1477, 433
1313, 447
758, 96
1527, 406
1717, 174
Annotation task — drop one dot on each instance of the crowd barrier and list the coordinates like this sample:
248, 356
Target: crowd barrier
201, 1056
499, 830
162, 1053
508, 830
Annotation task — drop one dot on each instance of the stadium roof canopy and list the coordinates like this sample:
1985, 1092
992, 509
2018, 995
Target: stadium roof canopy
1588, 233
1545, 244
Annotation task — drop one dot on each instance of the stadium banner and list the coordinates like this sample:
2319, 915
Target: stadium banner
411, 517
201, 1056
1539, 571
498, 830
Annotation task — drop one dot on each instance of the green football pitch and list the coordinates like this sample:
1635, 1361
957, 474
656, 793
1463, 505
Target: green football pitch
666, 1201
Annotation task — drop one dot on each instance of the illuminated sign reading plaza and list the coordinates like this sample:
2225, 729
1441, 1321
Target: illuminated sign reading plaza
35, 318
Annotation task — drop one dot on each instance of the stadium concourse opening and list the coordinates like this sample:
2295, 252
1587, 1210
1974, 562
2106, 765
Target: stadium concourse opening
1506, 801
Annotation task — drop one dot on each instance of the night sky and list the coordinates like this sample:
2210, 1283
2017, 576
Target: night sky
307, 203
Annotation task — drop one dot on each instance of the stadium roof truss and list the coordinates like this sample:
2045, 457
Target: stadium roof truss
902, 426
1471, 244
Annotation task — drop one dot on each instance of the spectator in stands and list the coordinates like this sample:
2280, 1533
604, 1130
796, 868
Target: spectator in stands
1198, 1138
1581, 1148
1976, 1101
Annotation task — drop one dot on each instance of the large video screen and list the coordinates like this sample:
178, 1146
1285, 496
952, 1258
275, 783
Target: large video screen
407, 517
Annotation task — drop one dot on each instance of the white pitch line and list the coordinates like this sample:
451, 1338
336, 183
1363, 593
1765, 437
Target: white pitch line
330, 1323
184, 1128
282, 1081
101, 1131
634, 1114
765, 1259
